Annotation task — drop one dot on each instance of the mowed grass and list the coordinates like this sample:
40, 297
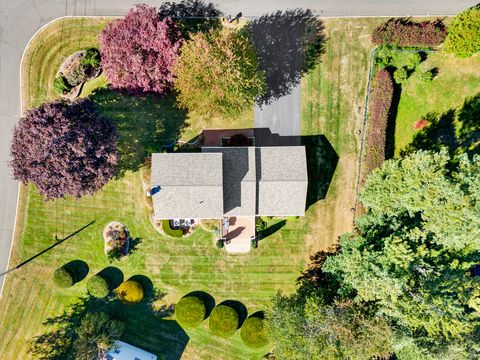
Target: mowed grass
49, 48
457, 80
175, 266
333, 103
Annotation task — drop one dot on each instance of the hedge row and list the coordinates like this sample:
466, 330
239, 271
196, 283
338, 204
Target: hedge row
130, 292
254, 332
404, 32
98, 286
379, 109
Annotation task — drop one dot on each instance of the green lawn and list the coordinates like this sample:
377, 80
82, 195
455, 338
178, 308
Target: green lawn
457, 80
174, 266
333, 103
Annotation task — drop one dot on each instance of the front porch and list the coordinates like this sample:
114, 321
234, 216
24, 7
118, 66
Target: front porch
238, 233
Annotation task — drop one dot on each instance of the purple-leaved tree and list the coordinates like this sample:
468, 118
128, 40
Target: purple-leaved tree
138, 51
64, 148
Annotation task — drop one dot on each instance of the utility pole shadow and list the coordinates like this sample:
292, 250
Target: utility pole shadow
58, 242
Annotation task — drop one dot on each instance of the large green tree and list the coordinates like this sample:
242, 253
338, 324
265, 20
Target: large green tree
415, 247
310, 329
96, 335
463, 37
217, 73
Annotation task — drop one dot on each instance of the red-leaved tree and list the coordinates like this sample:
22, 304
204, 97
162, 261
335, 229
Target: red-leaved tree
64, 148
139, 51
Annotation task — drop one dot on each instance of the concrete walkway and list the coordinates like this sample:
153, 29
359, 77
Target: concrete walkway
20, 19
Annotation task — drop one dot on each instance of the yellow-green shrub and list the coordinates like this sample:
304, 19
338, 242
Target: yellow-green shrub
130, 292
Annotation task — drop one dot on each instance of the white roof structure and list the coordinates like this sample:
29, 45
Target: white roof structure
123, 351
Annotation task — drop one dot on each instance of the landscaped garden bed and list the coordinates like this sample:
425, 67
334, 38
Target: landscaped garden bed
116, 239
78, 68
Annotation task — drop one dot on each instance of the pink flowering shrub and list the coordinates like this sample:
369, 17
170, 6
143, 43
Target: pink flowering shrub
138, 51
64, 148
379, 109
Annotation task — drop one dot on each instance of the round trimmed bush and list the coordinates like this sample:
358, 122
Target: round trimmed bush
63, 277
254, 332
98, 287
130, 292
190, 311
223, 321
400, 75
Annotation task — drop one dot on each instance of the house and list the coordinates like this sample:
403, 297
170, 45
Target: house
123, 351
232, 184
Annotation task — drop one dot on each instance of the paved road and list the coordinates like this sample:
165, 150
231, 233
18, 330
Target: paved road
20, 19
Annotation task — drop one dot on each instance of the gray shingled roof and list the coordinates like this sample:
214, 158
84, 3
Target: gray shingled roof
239, 181
282, 181
191, 185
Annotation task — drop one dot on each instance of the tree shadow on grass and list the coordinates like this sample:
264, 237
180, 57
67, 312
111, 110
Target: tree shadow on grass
207, 299
146, 329
391, 121
133, 245
314, 281
289, 43
79, 268
145, 124
469, 117
441, 132
192, 15
239, 308
113, 275
458, 130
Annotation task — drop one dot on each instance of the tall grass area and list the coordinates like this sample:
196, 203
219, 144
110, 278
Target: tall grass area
457, 80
